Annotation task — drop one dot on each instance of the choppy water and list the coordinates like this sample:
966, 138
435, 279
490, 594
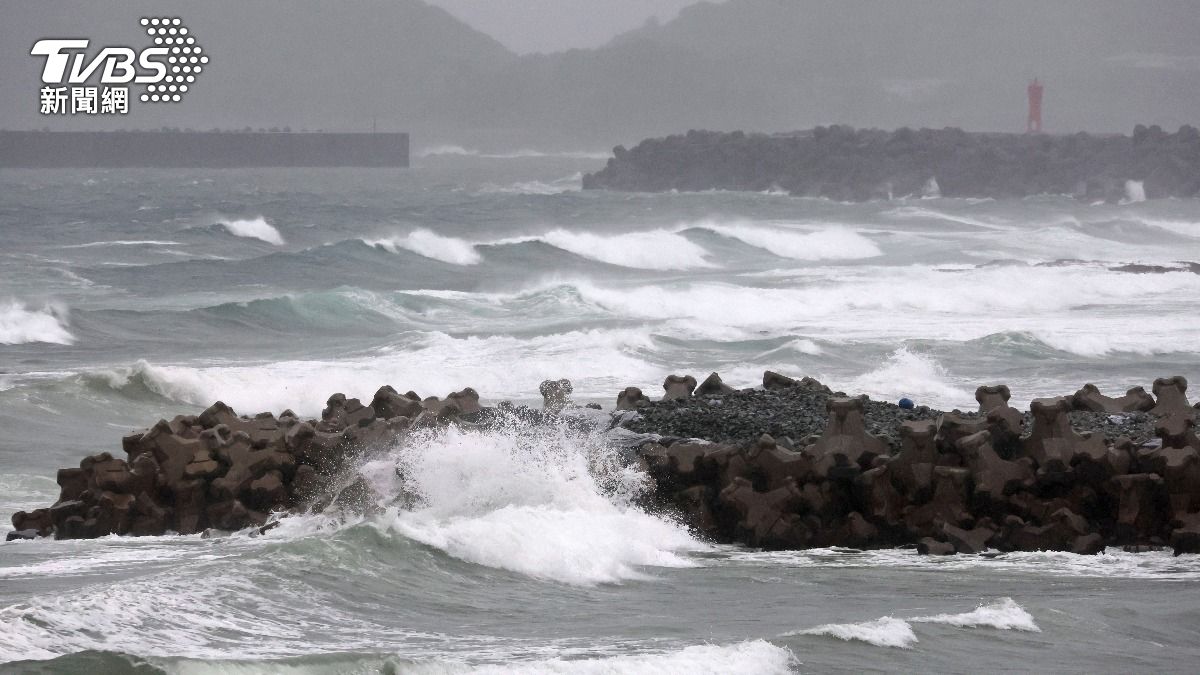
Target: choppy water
126, 296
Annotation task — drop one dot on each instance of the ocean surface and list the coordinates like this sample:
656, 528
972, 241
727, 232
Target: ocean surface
130, 295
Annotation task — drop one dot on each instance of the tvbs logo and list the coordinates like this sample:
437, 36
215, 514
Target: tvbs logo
168, 69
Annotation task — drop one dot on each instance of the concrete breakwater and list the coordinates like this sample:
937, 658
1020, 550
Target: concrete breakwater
1075, 473
849, 164
201, 149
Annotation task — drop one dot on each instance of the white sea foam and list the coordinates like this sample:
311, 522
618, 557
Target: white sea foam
572, 183
435, 365
125, 242
1060, 305
884, 632
920, 213
20, 324
254, 228
1003, 614
752, 657
1187, 228
907, 374
1111, 564
450, 150
426, 243
652, 249
1135, 192
831, 243
549, 504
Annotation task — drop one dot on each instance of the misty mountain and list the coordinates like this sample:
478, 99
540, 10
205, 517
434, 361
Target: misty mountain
760, 65
275, 63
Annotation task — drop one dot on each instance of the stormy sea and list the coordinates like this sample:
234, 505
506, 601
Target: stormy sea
127, 296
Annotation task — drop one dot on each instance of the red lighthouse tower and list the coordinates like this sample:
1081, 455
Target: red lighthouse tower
1034, 125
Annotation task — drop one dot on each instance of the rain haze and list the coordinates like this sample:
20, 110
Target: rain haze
593, 74
510, 337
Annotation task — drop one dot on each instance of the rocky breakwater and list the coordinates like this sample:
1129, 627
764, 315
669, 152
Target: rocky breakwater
849, 164
794, 465
225, 471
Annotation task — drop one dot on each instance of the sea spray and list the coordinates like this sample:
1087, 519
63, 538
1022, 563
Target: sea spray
426, 243
544, 501
20, 324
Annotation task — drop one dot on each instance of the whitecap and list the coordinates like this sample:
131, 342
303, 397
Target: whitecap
883, 632
653, 249
831, 243
1003, 614
431, 245
547, 503
254, 228
19, 324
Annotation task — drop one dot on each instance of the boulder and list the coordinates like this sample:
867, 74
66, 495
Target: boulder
341, 412
40, 521
974, 540
931, 546
387, 404
72, 483
1185, 538
467, 399
217, 413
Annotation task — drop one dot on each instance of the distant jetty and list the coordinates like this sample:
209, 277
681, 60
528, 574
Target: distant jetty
202, 149
844, 163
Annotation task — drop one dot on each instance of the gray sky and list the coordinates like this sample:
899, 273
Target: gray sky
526, 26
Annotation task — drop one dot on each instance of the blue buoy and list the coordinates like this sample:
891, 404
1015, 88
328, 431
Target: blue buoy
907, 404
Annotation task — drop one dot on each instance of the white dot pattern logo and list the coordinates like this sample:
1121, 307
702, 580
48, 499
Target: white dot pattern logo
172, 35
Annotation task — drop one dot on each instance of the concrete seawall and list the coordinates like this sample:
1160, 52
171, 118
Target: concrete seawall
210, 149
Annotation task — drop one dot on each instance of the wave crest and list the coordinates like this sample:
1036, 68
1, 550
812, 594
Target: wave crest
254, 228
833, 243
544, 502
21, 325
426, 243
653, 249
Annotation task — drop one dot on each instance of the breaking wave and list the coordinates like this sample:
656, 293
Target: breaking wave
884, 632
547, 503
653, 249
834, 243
20, 324
1003, 614
426, 243
254, 228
